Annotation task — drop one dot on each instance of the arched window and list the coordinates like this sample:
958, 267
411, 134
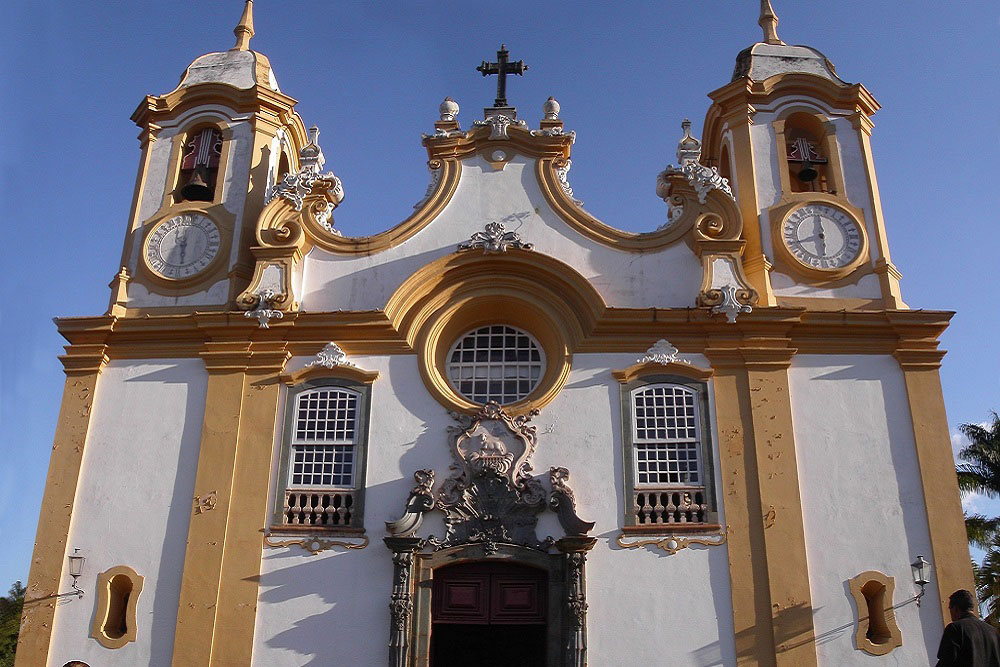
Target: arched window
805, 155
202, 152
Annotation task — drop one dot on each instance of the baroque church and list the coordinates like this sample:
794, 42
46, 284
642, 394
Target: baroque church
501, 431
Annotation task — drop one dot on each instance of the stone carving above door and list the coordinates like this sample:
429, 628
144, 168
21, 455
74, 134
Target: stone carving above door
491, 497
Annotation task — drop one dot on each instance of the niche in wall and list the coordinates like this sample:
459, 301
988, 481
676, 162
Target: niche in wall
117, 595
877, 632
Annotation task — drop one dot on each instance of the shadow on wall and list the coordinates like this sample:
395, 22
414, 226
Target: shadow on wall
795, 623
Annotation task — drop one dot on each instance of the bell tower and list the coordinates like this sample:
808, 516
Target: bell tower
211, 149
793, 138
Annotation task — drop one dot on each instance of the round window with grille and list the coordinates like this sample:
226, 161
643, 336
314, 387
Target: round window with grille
495, 363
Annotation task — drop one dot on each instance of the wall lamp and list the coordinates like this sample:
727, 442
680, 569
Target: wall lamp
76, 561
920, 569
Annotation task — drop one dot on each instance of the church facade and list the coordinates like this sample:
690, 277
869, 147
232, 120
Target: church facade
501, 430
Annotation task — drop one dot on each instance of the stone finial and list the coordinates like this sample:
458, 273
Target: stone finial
244, 29
448, 109
551, 109
688, 148
768, 22
311, 154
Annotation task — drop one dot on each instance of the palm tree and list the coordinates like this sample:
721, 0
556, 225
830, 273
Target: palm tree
980, 473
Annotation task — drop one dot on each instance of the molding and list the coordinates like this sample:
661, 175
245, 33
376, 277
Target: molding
674, 543
653, 368
894, 639
49, 555
104, 607
314, 544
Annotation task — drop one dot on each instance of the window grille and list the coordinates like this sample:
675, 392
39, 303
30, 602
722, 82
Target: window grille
667, 453
665, 436
495, 363
324, 440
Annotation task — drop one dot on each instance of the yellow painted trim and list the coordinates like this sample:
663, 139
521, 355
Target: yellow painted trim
104, 607
861, 641
49, 555
946, 524
312, 372
639, 370
772, 604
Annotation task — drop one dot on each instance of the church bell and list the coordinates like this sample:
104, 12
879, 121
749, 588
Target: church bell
808, 173
197, 189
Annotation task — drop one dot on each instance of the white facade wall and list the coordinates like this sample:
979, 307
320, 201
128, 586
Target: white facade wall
133, 505
665, 278
863, 504
656, 609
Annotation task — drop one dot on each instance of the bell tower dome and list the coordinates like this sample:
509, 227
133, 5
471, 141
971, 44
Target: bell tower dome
793, 138
211, 149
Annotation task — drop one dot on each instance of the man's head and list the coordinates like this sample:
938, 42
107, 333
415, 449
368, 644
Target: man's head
961, 603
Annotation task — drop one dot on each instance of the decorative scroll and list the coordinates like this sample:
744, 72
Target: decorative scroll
662, 352
331, 356
315, 545
674, 543
295, 187
495, 239
264, 311
563, 166
563, 502
498, 124
491, 497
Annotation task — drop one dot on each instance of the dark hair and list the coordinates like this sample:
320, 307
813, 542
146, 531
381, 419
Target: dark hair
962, 600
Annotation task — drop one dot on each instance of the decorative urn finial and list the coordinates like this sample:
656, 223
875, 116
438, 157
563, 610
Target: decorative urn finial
551, 109
244, 29
688, 148
769, 23
448, 109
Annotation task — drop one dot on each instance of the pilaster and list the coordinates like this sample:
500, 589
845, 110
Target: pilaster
772, 605
83, 365
952, 568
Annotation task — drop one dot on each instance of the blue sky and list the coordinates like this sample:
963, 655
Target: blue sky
372, 76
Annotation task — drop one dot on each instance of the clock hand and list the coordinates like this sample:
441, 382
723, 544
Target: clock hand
182, 243
818, 235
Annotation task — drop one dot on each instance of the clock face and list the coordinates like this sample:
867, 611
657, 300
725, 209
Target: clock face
182, 246
822, 237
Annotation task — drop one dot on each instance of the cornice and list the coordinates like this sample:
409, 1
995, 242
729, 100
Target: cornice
155, 108
913, 335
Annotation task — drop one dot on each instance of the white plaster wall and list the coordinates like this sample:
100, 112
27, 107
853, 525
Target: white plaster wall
331, 608
665, 278
133, 504
863, 505
768, 182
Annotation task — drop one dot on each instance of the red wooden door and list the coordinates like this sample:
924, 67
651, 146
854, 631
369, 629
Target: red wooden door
489, 594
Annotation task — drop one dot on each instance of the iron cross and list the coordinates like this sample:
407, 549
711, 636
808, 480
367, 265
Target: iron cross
502, 68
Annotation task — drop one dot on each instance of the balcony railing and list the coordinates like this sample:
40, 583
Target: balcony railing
323, 509
675, 505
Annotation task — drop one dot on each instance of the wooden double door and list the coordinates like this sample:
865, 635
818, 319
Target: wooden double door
489, 614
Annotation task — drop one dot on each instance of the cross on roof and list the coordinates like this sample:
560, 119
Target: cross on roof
502, 68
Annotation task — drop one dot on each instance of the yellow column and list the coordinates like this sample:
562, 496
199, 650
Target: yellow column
763, 505
82, 364
199, 599
215, 618
747, 567
238, 588
950, 561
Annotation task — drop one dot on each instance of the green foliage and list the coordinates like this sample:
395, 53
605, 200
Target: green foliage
10, 622
980, 473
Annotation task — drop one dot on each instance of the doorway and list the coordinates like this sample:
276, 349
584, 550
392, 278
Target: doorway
490, 614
